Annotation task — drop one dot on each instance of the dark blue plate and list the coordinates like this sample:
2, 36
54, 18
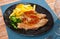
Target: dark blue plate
41, 30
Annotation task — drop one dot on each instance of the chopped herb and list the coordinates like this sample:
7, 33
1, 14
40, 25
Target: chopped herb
14, 21
19, 20
14, 25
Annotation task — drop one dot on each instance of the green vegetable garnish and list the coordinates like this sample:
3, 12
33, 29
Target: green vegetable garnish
19, 20
14, 21
13, 18
13, 24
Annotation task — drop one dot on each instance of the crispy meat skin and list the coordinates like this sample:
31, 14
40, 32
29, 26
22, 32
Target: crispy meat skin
32, 20
41, 23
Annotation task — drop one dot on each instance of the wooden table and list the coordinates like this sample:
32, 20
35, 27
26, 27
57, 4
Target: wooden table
3, 32
51, 4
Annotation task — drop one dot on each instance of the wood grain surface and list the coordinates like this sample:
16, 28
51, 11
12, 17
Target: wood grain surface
3, 2
3, 32
51, 4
